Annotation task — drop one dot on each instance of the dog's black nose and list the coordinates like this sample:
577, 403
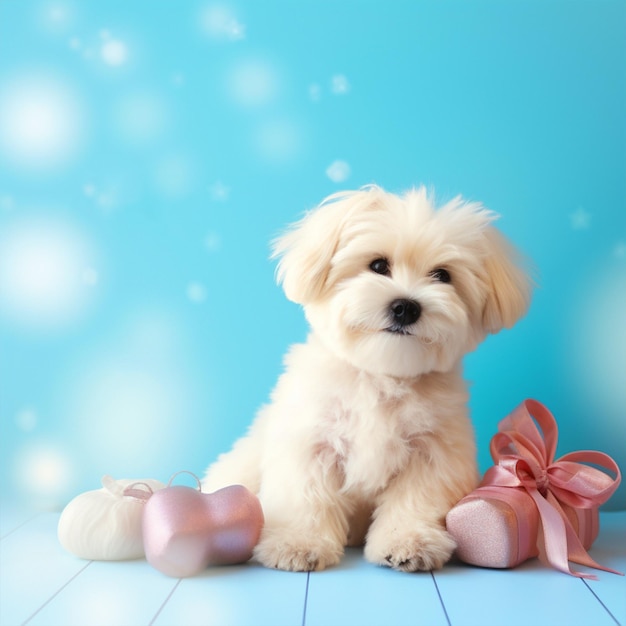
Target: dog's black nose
405, 312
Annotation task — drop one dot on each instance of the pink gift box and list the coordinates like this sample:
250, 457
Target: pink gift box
529, 504
502, 532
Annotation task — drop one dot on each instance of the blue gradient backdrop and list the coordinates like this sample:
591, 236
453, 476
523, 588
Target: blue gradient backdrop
149, 151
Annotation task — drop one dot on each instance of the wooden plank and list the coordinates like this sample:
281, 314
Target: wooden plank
610, 550
108, 594
529, 594
12, 516
41, 583
357, 593
33, 567
243, 595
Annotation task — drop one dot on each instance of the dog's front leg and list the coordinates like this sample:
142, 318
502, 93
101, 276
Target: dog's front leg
305, 519
408, 531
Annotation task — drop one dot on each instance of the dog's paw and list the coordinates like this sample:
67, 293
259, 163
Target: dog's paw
420, 550
286, 551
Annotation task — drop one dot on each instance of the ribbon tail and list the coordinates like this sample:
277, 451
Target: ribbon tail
555, 536
575, 550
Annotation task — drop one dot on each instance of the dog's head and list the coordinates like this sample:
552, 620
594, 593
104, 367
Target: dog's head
394, 286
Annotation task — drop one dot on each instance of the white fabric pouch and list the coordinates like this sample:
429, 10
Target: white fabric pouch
105, 524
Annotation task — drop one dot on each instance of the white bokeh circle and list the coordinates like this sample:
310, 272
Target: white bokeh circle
220, 23
338, 171
114, 52
44, 473
47, 273
253, 82
42, 122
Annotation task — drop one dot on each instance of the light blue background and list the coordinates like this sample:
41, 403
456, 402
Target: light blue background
150, 150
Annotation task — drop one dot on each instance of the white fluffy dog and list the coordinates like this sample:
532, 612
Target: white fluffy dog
367, 436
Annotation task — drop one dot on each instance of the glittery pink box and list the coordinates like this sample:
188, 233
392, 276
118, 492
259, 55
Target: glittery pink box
494, 529
531, 504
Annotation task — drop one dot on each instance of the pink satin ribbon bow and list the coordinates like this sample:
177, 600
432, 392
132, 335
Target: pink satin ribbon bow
526, 459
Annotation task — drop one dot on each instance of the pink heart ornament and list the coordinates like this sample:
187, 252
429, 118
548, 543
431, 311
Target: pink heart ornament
185, 530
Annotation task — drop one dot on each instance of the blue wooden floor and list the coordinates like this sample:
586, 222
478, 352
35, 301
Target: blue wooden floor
40, 584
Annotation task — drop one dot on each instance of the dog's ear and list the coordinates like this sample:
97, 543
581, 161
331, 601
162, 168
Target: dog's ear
509, 286
306, 250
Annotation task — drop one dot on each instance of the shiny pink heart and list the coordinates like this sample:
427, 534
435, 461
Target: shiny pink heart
185, 530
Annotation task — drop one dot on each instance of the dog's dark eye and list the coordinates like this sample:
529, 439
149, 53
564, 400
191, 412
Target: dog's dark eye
380, 266
441, 275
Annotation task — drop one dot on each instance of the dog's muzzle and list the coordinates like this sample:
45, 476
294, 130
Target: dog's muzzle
403, 313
